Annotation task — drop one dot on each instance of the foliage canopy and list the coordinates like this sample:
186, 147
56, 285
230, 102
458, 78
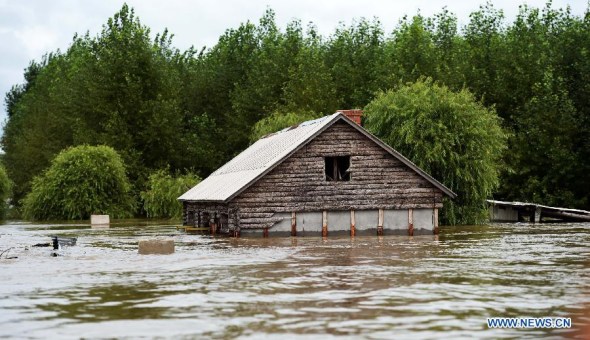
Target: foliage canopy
81, 181
450, 135
278, 121
160, 199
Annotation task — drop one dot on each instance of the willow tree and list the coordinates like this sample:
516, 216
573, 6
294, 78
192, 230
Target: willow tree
160, 200
81, 181
278, 121
450, 135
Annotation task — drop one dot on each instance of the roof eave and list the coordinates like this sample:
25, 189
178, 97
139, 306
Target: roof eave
203, 201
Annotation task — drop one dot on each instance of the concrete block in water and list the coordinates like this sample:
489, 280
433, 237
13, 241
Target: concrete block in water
99, 219
156, 246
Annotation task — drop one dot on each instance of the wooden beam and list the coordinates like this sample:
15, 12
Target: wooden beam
380, 224
411, 222
265, 232
435, 230
293, 224
325, 224
537, 214
352, 224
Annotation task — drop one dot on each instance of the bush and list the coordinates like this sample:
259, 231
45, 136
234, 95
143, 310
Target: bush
81, 181
278, 121
450, 135
5, 190
160, 200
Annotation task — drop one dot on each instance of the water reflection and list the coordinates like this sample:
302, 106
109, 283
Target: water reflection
377, 287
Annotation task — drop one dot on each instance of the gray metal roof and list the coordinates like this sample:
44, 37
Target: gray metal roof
261, 157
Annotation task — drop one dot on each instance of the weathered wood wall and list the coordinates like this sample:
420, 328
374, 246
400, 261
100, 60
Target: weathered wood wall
378, 181
190, 209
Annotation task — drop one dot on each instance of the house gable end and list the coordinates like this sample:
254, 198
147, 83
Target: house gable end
377, 180
343, 120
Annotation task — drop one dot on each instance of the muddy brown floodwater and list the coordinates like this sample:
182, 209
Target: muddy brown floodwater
282, 288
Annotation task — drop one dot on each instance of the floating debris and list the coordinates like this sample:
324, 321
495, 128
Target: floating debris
59, 242
6, 252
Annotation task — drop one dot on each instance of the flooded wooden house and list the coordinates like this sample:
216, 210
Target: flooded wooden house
325, 176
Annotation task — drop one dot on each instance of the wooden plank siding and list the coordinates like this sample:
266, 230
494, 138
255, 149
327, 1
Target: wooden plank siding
378, 181
191, 209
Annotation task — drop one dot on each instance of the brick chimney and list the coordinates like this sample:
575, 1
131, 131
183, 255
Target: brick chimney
355, 115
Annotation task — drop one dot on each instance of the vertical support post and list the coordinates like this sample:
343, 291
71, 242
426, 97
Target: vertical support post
265, 232
352, 224
537, 214
411, 222
325, 224
293, 224
435, 231
380, 224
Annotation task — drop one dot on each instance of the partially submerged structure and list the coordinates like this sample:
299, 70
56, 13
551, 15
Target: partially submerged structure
328, 175
531, 212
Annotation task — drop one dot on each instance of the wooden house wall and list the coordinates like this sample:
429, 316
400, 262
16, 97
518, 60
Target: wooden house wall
378, 181
190, 209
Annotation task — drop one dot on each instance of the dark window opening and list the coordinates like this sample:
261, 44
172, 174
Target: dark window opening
337, 168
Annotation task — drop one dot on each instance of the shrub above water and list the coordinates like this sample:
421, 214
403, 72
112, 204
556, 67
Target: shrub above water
160, 200
81, 181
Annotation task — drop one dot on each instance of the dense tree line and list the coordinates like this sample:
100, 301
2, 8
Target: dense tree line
193, 110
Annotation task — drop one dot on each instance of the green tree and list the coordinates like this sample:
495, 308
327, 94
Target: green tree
310, 86
544, 157
486, 58
121, 88
355, 57
412, 51
160, 199
278, 121
81, 181
39, 125
5, 191
450, 135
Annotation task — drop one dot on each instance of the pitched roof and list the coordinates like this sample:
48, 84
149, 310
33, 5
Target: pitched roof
268, 152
